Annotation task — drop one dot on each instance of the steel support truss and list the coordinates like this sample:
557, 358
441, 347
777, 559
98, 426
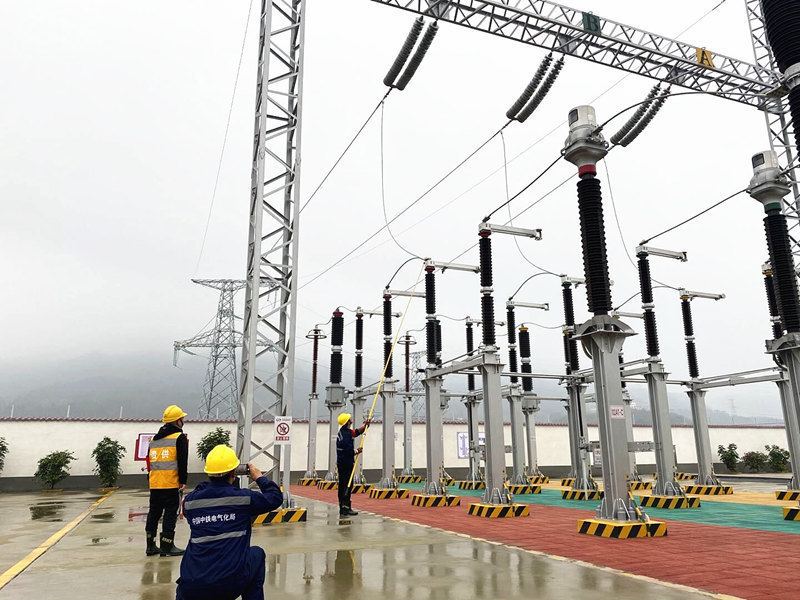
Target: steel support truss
266, 385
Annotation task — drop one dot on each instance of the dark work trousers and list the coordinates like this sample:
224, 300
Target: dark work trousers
345, 471
249, 584
166, 503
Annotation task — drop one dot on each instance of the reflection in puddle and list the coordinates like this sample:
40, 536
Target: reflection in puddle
47, 511
104, 516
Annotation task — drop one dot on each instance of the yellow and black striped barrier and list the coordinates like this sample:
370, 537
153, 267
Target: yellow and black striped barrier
387, 493
282, 515
433, 500
308, 481
409, 479
582, 495
680, 476
538, 479
791, 513
447, 481
708, 490
669, 501
361, 488
328, 485
523, 488
471, 485
789, 495
613, 529
568, 481
499, 511
637, 486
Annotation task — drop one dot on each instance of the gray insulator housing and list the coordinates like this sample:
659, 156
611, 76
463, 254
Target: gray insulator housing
659, 102
419, 54
404, 53
531, 87
625, 129
543, 91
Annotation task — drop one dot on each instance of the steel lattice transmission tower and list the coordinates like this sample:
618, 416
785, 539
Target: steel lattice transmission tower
220, 391
266, 387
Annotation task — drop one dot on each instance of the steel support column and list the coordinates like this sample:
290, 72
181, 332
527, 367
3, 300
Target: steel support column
334, 400
530, 406
578, 436
471, 404
517, 435
702, 441
495, 471
787, 349
434, 436
633, 472
408, 424
656, 378
388, 393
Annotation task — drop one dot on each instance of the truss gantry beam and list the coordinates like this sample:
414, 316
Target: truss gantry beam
266, 385
591, 37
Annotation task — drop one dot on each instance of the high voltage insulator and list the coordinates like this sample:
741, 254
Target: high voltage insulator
438, 342
646, 288
511, 323
530, 88
640, 112
405, 51
595, 261
416, 60
772, 302
387, 335
359, 380
688, 332
525, 354
640, 126
780, 254
571, 358
337, 340
430, 316
470, 349
430, 291
782, 20
543, 91
487, 301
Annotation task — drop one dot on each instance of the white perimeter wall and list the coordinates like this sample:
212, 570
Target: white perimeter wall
30, 440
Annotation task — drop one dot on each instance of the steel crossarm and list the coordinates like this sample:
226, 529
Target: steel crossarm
594, 38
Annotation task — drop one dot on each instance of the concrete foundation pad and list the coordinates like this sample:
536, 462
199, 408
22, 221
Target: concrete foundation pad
499, 511
791, 513
669, 501
617, 529
431, 500
787, 495
708, 490
387, 493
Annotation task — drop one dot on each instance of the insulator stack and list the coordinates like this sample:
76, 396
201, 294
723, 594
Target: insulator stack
525, 357
782, 22
645, 121
772, 302
530, 88
780, 257
470, 350
631, 123
794, 106
405, 52
359, 350
438, 342
315, 362
646, 287
487, 301
387, 335
571, 357
622, 381
430, 341
420, 53
543, 91
408, 364
593, 238
688, 332
430, 291
511, 321
337, 340
430, 316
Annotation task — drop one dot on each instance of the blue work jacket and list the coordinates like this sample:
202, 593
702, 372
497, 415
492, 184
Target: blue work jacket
345, 448
219, 517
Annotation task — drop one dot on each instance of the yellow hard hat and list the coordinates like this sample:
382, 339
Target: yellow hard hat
221, 459
172, 413
344, 418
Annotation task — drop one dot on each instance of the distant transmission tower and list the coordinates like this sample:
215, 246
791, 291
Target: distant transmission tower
418, 362
220, 391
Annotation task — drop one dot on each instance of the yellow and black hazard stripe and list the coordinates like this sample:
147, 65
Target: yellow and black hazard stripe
387, 493
640, 485
582, 495
308, 481
791, 513
670, 501
568, 481
499, 511
685, 476
409, 479
514, 488
328, 485
430, 500
471, 485
612, 529
538, 479
282, 515
447, 481
789, 495
708, 490
361, 488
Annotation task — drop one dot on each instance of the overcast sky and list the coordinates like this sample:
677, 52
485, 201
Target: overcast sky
112, 119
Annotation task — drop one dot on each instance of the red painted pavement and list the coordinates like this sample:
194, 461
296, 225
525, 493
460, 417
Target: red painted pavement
757, 565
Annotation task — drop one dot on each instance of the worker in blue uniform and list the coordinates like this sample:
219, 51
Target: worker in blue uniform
219, 563
345, 460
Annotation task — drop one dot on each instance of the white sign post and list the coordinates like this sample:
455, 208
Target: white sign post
283, 431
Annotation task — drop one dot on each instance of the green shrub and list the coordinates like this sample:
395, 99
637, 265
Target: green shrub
54, 467
778, 458
218, 436
729, 456
107, 455
755, 461
3, 452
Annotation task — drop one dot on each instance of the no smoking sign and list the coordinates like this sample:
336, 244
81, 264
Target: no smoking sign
283, 430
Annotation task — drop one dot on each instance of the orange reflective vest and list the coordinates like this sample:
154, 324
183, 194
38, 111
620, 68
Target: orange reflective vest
163, 455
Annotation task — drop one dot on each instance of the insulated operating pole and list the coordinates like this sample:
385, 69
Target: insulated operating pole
358, 399
334, 398
407, 341
310, 476
769, 186
602, 336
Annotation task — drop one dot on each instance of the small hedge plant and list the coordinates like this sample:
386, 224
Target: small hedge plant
107, 455
54, 467
218, 436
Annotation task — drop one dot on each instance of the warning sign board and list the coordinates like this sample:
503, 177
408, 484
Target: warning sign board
142, 446
617, 412
283, 430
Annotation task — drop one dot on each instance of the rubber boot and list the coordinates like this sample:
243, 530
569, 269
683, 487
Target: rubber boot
168, 548
152, 549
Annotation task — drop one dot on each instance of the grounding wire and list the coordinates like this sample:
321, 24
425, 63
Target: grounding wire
224, 138
400, 267
655, 287
542, 326
511, 297
524, 189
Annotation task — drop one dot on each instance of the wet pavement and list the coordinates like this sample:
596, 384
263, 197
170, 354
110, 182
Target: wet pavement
325, 557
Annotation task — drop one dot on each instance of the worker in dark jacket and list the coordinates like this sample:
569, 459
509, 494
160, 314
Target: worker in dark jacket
167, 458
219, 562
345, 460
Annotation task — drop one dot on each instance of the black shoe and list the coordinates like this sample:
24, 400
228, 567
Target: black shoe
168, 548
152, 549
349, 513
